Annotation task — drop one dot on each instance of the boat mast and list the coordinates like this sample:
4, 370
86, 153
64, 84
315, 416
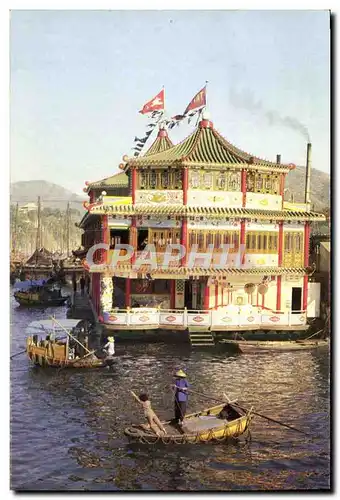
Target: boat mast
68, 228
38, 238
14, 237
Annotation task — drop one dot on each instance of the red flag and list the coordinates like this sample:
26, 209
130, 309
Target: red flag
198, 101
156, 104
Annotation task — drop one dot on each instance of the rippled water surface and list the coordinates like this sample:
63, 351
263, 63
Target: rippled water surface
67, 426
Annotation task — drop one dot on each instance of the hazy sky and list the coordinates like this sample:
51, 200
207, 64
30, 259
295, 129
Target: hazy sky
78, 79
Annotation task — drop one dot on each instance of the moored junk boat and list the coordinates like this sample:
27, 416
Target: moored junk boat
39, 293
218, 423
61, 343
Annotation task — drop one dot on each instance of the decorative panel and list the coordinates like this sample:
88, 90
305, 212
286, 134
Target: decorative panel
264, 201
155, 197
214, 198
157, 222
203, 222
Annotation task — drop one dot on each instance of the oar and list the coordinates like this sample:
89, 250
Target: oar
255, 413
273, 420
17, 354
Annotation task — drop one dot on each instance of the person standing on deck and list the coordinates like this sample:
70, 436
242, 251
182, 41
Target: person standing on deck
82, 285
109, 348
87, 283
181, 396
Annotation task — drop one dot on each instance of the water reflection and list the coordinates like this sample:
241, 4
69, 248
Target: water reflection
67, 427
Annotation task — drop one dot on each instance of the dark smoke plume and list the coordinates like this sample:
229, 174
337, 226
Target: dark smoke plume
245, 99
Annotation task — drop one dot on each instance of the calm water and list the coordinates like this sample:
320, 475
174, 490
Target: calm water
67, 427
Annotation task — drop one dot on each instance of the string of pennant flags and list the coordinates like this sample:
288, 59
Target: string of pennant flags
156, 109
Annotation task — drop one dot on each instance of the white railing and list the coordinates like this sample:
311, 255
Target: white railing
210, 319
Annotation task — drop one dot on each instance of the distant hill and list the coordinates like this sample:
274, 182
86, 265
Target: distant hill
52, 195
320, 187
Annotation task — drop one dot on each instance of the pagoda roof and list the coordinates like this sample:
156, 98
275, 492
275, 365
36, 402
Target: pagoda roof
191, 211
160, 144
206, 147
118, 180
121, 179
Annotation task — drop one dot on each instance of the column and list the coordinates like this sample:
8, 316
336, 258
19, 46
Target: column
206, 296
105, 238
127, 292
244, 186
216, 295
172, 294
133, 185
306, 264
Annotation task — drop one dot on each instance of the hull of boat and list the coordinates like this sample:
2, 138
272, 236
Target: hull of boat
54, 356
219, 432
33, 300
265, 346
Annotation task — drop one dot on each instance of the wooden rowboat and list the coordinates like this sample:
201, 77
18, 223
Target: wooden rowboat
201, 427
46, 350
249, 346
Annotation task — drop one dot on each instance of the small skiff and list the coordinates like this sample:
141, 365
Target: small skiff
249, 346
201, 427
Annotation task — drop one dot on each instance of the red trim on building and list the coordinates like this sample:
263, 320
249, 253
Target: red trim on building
133, 238
243, 240
280, 244
306, 264
278, 293
244, 186
133, 185
206, 296
282, 187
105, 237
184, 240
128, 292
172, 294
185, 184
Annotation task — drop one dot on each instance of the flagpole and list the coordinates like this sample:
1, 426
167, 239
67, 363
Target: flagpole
206, 95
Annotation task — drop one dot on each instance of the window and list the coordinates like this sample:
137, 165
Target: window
261, 242
143, 180
234, 183
152, 179
216, 238
220, 180
263, 183
165, 180
194, 179
207, 180
177, 179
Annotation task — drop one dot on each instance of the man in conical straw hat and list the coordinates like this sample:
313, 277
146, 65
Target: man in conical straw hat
181, 396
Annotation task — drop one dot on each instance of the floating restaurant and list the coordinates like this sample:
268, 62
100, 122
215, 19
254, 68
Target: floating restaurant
202, 195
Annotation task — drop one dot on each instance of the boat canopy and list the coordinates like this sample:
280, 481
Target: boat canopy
25, 285
48, 326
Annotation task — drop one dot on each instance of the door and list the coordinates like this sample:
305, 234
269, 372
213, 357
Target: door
296, 299
188, 294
